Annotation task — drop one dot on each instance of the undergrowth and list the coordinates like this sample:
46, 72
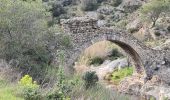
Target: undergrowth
8, 91
118, 75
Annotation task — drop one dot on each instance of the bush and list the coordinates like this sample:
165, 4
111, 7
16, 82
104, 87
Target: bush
30, 89
90, 79
66, 2
89, 5
116, 3
168, 28
62, 87
57, 9
96, 61
115, 54
117, 76
22, 40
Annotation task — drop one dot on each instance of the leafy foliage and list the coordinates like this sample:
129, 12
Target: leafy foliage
57, 9
96, 61
90, 78
62, 88
116, 2
23, 25
88, 5
30, 89
115, 54
152, 10
117, 76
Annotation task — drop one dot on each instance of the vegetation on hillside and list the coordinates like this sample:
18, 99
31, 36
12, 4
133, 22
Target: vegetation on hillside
152, 11
31, 34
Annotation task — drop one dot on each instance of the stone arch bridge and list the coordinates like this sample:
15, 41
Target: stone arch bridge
84, 32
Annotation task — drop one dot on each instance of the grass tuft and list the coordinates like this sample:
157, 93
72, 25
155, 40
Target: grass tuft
119, 75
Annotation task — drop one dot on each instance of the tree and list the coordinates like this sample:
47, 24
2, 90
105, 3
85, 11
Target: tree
153, 9
23, 25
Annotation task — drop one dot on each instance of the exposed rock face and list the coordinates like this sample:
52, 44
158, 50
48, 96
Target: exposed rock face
118, 64
131, 85
106, 68
109, 67
134, 26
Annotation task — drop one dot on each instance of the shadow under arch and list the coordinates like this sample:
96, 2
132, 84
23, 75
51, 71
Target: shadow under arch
139, 68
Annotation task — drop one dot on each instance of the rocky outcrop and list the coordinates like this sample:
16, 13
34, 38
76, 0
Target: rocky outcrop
134, 26
106, 68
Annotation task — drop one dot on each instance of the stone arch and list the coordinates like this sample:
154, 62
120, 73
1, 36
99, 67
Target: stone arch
137, 61
84, 31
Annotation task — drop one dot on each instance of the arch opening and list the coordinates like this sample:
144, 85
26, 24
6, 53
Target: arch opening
136, 60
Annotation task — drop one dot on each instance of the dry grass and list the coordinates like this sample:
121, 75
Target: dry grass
7, 73
99, 49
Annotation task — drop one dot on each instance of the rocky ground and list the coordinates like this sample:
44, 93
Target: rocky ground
133, 85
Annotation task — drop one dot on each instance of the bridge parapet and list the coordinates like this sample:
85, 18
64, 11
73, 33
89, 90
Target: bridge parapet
79, 25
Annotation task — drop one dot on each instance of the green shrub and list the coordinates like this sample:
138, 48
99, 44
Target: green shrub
96, 61
88, 5
24, 25
57, 9
115, 54
30, 89
168, 28
62, 88
116, 2
90, 78
117, 76
66, 41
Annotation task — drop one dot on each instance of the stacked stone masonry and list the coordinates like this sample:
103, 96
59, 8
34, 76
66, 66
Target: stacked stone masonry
84, 32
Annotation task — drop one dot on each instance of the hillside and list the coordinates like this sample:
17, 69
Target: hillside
84, 49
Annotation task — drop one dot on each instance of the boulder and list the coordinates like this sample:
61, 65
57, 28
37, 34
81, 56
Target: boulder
108, 67
101, 23
118, 64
